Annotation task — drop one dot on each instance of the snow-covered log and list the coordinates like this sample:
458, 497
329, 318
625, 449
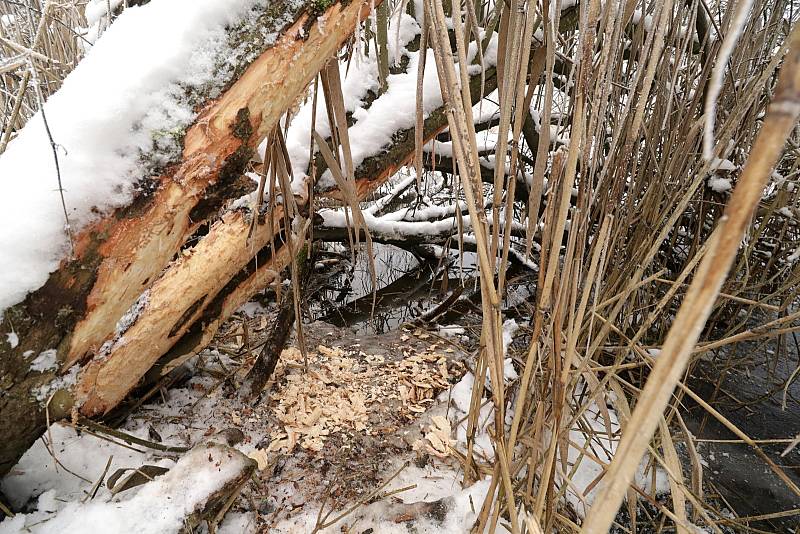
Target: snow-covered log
256, 272
421, 236
229, 71
257, 264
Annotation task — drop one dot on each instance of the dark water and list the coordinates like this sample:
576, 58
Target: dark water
751, 394
406, 288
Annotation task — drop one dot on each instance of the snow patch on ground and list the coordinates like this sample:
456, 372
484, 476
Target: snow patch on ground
36, 472
251, 309
12, 339
601, 443
159, 507
451, 330
456, 512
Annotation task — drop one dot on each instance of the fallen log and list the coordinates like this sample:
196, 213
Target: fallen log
118, 258
198, 313
115, 378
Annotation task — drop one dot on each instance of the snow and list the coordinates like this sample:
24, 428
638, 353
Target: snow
722, 165
584, 470
602, 443
460, 396
86, 455
12, 339
36, 473
121, 105
65, 381
159, 507
794, 256
45, 361
393, 111
389, 227
718, 184
127, 320
648, 20
358, 79
461, 393
510, 328
97, 9
251, 309
238, 523
451, 330
457, 513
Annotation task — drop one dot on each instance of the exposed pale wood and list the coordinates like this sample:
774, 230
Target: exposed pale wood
259, 273
178, 298
175, 301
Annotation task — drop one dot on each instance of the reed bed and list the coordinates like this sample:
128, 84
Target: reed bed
637, 246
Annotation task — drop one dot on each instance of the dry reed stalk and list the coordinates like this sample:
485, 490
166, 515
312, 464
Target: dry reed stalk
781, 119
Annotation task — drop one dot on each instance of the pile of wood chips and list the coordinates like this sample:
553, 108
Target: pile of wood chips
341, 388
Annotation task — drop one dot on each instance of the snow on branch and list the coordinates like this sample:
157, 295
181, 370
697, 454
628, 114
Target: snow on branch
393, 111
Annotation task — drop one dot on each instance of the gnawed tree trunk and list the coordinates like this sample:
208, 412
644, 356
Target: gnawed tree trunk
123, 255
108, 380
255, 274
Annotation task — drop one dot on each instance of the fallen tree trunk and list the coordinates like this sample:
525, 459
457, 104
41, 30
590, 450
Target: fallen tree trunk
370, 175
120, 257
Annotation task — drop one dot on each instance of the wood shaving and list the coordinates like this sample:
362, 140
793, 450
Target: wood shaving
342, 388
437, 440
